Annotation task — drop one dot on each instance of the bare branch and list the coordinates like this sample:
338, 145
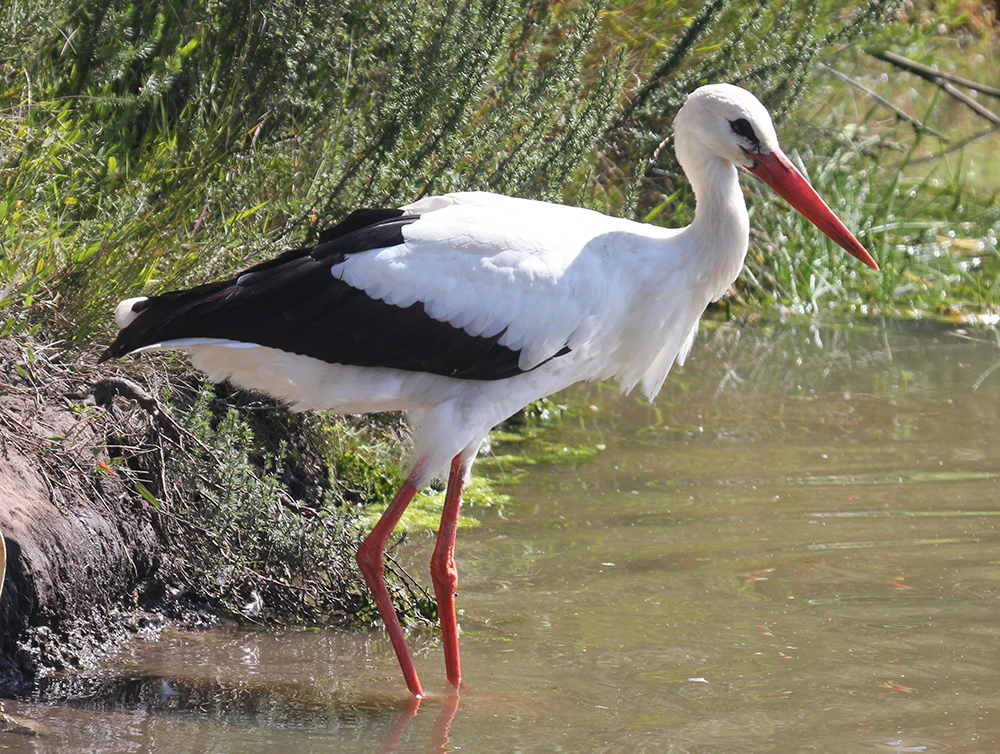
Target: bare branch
900, 113
932, 74
946, 82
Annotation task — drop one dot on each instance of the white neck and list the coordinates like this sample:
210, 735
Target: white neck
720, 233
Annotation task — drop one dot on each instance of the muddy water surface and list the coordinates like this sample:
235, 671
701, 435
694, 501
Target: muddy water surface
795, 549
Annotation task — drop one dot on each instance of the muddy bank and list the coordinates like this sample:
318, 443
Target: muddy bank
76, 540
121, 513
81, 548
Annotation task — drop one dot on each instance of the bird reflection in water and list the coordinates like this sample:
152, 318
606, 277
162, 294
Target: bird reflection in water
440, 732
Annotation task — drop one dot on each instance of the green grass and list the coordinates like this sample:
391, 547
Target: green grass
132, 159
154, 146
930, 224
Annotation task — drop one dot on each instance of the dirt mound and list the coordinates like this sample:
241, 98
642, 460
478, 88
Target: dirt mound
77, 539
121, 512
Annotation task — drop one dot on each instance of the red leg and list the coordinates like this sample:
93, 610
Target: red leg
443, 571
370, 561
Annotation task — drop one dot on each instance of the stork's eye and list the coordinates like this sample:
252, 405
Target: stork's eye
742, 128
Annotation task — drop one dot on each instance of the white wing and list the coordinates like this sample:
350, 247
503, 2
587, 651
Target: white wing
539, 273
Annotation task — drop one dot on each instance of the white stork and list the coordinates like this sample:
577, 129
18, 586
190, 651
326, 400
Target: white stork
461, 309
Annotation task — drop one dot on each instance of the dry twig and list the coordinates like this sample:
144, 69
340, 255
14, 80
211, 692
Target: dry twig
899, 112
946, 81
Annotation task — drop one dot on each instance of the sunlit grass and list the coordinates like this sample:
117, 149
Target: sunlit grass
94, 207
926, 213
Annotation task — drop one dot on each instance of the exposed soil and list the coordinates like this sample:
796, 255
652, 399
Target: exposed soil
84, 559
119, 520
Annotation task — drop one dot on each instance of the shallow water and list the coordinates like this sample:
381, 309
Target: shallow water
795, 549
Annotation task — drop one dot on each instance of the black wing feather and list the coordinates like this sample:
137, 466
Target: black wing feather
294, 303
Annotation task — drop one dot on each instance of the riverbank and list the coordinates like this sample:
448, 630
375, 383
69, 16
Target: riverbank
81, 549
106, 537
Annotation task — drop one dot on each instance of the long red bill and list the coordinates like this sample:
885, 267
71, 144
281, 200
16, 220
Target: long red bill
777, 171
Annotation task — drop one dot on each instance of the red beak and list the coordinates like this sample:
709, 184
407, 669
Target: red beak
777, 171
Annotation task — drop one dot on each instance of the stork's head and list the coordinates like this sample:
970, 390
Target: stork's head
727, 122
